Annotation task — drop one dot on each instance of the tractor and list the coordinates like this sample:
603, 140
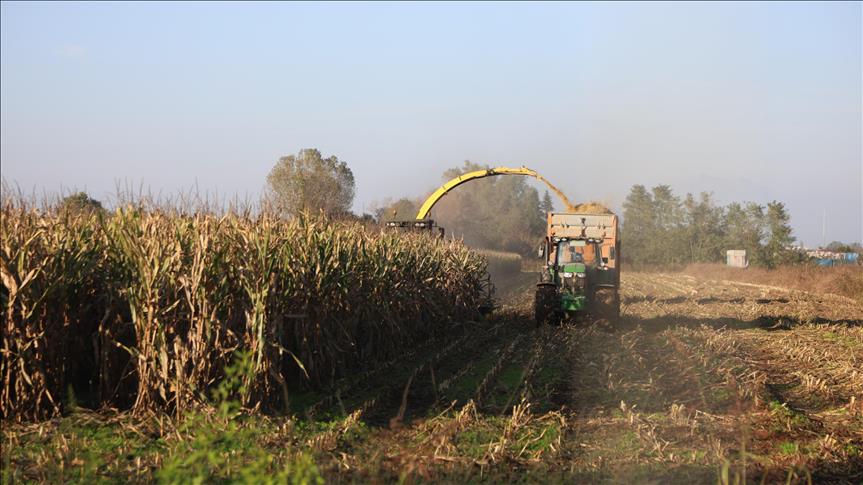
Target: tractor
570, 287
581, 275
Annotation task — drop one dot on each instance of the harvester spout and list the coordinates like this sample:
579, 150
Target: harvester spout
445, 188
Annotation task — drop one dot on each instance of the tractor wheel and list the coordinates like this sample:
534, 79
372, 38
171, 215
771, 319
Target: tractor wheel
546, 305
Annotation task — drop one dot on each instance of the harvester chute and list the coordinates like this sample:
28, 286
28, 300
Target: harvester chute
445, 188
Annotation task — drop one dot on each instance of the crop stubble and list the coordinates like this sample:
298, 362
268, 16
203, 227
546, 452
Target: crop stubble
701, 379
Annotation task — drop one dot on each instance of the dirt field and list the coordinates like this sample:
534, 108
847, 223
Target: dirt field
702, 382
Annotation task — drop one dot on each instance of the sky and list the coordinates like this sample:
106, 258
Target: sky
750, 101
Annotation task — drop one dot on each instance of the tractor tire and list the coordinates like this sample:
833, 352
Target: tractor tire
546, 305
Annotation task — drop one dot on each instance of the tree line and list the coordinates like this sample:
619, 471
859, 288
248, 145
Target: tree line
507, 214
502, 213
660, 228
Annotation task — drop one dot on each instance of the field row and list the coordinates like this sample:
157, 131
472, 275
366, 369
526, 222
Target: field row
144, 310
700, 382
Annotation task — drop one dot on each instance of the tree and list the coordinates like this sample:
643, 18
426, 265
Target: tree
309, 182
746, 229
667, 244
638, 224
660, 229
840, 247
652, 226
500, 212
547, 205
80, 202
778, 248
703, 228
401, 210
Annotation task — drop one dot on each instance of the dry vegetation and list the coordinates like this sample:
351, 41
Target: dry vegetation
839, 280
503, 266
591, 208
703, 381
144, 309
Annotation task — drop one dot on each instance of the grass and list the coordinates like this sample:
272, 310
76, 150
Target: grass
220, 443
465, 388
788, 448
473, 443
104, 448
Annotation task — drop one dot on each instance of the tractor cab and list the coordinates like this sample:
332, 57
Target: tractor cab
569, 266
575, 250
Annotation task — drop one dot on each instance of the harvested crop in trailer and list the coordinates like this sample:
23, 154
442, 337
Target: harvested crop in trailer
592, 208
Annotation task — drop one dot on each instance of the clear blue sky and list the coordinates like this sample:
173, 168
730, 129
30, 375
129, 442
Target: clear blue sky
750, 101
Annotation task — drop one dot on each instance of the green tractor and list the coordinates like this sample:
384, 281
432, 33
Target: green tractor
581, 275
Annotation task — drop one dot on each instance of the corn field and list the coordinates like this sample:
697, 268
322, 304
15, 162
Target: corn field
143, 309
501, 263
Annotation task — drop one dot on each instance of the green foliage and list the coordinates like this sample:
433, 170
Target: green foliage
745, 230
80, 202
78, 448
788, 448
653, 226
403, 209
227, 394
547, 204
221, 449
308, 182
638, 231
780, 239
502, 213
841, 247
659, 228
703, 228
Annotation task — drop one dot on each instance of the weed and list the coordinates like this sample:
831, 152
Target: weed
788, 448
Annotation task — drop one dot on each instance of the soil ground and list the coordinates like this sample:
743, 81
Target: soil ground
701, 381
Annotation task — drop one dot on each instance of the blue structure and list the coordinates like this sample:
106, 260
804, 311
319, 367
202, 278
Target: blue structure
837, 259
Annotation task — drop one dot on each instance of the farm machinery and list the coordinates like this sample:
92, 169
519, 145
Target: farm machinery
581, 275
422, 223
582, 251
